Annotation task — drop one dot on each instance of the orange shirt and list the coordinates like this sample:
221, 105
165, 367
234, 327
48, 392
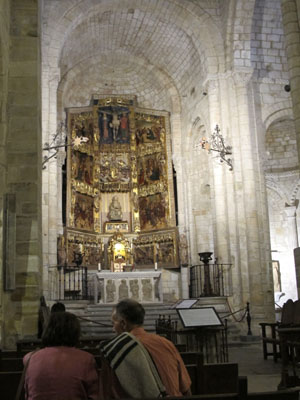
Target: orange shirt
168, 361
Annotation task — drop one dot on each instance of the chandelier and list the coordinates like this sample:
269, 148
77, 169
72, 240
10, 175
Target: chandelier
59, 141
216, 143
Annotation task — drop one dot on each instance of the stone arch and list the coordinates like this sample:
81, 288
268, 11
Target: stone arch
163, 81
276, 194
295, 193
274, 112
196, 22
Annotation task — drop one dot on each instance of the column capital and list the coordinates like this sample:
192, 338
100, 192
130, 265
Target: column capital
211, 84
290, 211
242, 76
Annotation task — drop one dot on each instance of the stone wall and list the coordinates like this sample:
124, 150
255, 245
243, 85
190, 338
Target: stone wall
217, 62
20, 162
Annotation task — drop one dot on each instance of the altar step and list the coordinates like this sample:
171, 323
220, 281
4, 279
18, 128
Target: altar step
93, 315
95, 319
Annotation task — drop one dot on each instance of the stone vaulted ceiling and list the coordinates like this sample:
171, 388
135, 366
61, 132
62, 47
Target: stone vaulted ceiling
157, 49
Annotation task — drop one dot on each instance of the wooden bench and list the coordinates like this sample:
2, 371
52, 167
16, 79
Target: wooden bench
278, 395
9, 382
192, 357
205, 376
26, 345
269, 330
11, 364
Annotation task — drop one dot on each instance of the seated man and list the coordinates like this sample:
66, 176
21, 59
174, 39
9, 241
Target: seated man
128, 316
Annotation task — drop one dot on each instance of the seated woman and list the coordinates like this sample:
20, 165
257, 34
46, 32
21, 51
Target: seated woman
59, 370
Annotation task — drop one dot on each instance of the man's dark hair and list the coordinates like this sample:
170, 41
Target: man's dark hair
58, 307
131, 311
63, 329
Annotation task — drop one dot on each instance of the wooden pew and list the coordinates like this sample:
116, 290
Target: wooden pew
217, 378
11, 364
26, 345
192, 357
278, 395
9, 382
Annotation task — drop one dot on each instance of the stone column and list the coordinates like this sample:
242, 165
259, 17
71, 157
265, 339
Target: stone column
291, 20
254, 243
52, 193
291, 268
21, 112
220, 249
184, 281
290, 212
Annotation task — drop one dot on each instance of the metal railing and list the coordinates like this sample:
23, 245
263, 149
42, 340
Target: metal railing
211, 342
210, 280
69, 283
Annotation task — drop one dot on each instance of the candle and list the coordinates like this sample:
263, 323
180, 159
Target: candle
155, 266
99, 267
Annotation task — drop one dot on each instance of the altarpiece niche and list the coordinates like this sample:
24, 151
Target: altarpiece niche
120, 197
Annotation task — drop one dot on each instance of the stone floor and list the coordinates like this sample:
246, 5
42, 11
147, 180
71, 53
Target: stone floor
263, 375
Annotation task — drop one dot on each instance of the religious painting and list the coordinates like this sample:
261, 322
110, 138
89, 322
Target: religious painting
113, 123
84, 212
115, 172
82, 167
149, 129
152, 212
144, 255
83, 126
150, 169
166, 254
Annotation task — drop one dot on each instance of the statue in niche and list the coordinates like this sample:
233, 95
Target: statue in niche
147, 289
134, 288
110, 291
183, 249
115, 210
61, 251
123, 290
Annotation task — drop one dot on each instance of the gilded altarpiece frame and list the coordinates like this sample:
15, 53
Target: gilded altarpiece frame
128, 156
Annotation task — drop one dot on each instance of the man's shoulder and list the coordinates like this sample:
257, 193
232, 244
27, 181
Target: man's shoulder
160, 340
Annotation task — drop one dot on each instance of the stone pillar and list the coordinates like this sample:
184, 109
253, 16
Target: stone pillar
21, 115
291, 20
184, 281
220, 249
297, 266
290, 212
52, 190
291, 259
252, 222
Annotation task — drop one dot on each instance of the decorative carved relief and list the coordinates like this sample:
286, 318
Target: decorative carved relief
147, 289
123, 290
110, 291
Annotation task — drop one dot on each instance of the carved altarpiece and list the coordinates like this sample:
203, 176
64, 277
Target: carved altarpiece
127, 158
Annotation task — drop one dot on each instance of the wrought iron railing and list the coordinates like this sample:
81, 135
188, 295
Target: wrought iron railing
210, 280
211, 342
69, 283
